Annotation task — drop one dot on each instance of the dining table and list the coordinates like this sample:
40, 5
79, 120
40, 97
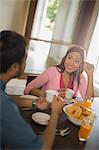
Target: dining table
70, 141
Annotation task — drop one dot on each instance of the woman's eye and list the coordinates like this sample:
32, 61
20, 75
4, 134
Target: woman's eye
78, 62
69, 57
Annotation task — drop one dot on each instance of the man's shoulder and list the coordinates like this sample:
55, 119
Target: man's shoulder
3, 95
6, 101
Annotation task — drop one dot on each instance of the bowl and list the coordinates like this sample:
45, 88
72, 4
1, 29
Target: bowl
72, 119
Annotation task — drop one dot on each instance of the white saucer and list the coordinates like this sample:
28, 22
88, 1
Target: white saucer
41, 118
69, 101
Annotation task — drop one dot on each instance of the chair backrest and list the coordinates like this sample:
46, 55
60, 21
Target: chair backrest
30, 78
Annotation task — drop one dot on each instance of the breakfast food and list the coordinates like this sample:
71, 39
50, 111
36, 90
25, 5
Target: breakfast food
81, 117
78, 111
80, 104
75, 111
86, 112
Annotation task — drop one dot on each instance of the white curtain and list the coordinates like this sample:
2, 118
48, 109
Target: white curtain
64, 27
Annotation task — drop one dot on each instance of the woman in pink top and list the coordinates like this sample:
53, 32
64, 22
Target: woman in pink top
68, 74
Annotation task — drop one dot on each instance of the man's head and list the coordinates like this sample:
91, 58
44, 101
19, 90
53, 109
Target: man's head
12, 53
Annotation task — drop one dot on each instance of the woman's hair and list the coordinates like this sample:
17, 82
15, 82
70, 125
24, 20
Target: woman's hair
77, 73
12, 49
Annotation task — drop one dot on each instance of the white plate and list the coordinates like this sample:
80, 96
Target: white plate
29, 97
41, 118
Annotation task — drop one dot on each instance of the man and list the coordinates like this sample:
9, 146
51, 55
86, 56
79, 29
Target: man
15, 132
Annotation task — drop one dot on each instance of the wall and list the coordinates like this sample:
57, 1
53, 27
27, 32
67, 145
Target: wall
13, 15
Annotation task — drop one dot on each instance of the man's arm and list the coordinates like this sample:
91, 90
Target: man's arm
50, 131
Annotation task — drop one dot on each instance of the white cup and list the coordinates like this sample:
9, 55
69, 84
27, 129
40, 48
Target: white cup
50, 95
69, 94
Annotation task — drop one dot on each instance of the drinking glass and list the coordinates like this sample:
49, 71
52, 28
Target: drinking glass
86, 128
88, 102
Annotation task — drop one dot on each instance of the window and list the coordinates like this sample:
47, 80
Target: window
47, 27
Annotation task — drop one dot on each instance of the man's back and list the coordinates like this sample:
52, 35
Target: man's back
13, 126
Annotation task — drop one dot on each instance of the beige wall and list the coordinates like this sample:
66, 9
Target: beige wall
13, 15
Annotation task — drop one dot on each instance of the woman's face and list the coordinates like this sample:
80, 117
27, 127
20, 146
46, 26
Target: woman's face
72, 62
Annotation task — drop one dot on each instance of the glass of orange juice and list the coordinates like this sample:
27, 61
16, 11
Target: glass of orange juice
88, 102
85, 129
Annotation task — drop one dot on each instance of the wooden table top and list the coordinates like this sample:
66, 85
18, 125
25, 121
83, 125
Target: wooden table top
71, 141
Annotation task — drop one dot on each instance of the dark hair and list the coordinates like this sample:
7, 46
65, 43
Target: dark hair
12, 49
77, 73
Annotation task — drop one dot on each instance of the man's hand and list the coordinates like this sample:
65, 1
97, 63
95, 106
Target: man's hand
57, 105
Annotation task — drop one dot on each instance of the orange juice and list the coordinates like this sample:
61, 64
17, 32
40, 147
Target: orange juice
88, 102
84, 132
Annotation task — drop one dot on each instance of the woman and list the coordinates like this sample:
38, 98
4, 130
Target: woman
68, 74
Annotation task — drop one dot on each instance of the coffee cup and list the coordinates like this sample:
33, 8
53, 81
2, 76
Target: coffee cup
69, 94
50, 95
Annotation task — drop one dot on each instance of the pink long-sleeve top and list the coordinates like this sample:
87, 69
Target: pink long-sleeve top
50, 79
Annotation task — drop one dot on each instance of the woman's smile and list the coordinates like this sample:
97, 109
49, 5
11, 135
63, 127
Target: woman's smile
72, 62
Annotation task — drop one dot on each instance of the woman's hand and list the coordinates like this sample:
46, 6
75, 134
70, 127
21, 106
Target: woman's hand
62, 92
88, 68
